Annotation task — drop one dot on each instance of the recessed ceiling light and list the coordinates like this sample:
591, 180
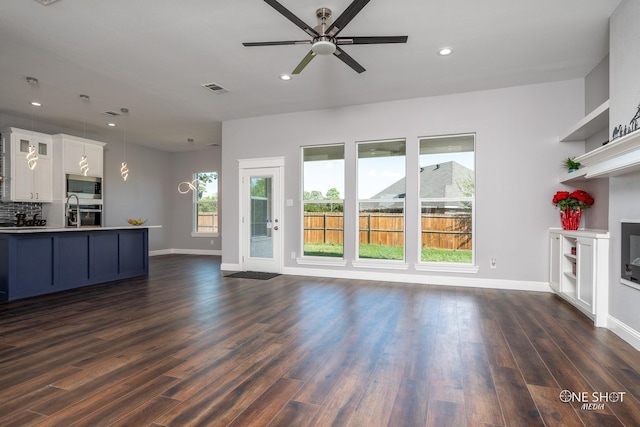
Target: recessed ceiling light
285, 77
111, 124
36, 104
445, 51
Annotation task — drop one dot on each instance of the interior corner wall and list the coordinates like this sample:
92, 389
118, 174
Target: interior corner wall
183, 166
624, 193
518, 160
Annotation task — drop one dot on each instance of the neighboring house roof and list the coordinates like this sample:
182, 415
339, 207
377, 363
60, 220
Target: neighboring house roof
439, 180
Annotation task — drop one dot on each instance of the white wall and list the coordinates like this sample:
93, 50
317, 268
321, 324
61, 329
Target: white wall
518, 159
624, 192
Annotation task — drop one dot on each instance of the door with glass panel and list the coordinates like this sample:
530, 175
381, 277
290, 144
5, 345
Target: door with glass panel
261, 220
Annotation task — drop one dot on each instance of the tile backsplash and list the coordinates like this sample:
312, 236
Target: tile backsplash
9, 210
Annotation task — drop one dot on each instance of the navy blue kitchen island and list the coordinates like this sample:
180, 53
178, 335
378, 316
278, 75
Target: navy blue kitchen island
41, 260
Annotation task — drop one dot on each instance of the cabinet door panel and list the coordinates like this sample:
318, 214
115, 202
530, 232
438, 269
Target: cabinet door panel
22, 180
104, 257
34, 270
133, 252
42, 181
94, 159
73, 152
554, 261
586, 259
73, 260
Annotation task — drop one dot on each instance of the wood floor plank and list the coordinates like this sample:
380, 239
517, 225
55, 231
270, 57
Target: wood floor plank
294, 414
187, 346
410, 406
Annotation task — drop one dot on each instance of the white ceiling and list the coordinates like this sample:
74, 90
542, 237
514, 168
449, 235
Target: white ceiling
152, 56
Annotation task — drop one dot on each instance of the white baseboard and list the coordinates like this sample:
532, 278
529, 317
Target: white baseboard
225, 266
624, 331
186, 252
471, 282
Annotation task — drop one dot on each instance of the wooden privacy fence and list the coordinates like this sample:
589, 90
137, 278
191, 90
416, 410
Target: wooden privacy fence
438, 230
208, 222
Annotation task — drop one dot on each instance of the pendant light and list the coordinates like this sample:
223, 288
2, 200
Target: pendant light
124, 169
84, 163
32, 153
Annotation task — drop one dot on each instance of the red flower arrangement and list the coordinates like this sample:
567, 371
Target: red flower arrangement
578, 199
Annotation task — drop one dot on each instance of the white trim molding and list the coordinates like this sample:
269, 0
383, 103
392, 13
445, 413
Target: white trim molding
624, 331
263, 162
469, 282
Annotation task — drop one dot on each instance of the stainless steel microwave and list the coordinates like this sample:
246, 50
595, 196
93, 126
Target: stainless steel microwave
85, 187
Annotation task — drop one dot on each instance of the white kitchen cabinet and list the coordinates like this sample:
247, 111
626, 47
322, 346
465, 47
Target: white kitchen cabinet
73, 148
20, 183
579, 266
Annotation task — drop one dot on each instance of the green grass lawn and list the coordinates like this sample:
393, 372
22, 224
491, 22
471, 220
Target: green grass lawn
389, 252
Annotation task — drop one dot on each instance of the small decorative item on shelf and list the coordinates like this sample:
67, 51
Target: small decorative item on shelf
571, 205
571, 164
139, 221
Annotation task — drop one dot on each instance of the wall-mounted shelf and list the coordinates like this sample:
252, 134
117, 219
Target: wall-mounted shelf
591, 124
571, 177
618, 157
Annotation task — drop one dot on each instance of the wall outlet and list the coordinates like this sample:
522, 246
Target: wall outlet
293, 255
493, 263
212, 241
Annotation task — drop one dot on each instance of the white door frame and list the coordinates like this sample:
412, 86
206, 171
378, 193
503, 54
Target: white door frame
244, 166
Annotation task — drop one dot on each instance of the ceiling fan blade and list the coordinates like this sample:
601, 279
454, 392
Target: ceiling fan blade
371, 40
305, 61
293, 18
346, 17
342, 55
279, 43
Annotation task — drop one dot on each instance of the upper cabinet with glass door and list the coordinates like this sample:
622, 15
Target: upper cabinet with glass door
26, 166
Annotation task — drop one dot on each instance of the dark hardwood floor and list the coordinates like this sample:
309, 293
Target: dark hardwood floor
187, 346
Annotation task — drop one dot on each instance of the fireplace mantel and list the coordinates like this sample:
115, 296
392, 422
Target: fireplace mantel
618, 157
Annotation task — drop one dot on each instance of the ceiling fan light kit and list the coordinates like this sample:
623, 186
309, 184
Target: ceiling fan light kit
325, 40
323, 47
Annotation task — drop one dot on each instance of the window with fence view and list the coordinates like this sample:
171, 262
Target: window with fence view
381, 195
323, 186
205, 201
447, 184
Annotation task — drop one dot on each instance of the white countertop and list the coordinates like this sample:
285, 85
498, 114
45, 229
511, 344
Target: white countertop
47, 229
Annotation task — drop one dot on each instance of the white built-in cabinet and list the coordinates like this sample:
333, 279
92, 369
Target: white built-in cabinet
72, 148
579, 270
20, 183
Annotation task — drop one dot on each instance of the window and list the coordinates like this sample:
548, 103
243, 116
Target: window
323, 186
447, 198
205, 201
381, 194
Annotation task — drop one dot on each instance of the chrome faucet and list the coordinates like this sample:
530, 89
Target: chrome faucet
69, 221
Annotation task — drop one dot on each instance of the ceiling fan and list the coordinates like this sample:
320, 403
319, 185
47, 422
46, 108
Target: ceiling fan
325, 40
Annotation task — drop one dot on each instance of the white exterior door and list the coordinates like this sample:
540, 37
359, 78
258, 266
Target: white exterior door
261, 224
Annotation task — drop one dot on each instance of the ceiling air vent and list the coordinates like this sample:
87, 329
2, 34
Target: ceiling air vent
215, 88
111, 113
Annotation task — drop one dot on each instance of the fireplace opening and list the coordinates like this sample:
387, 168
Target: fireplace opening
630, 266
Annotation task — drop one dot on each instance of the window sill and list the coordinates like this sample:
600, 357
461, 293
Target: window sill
381, 263
447, 267
323, 261
195, 234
